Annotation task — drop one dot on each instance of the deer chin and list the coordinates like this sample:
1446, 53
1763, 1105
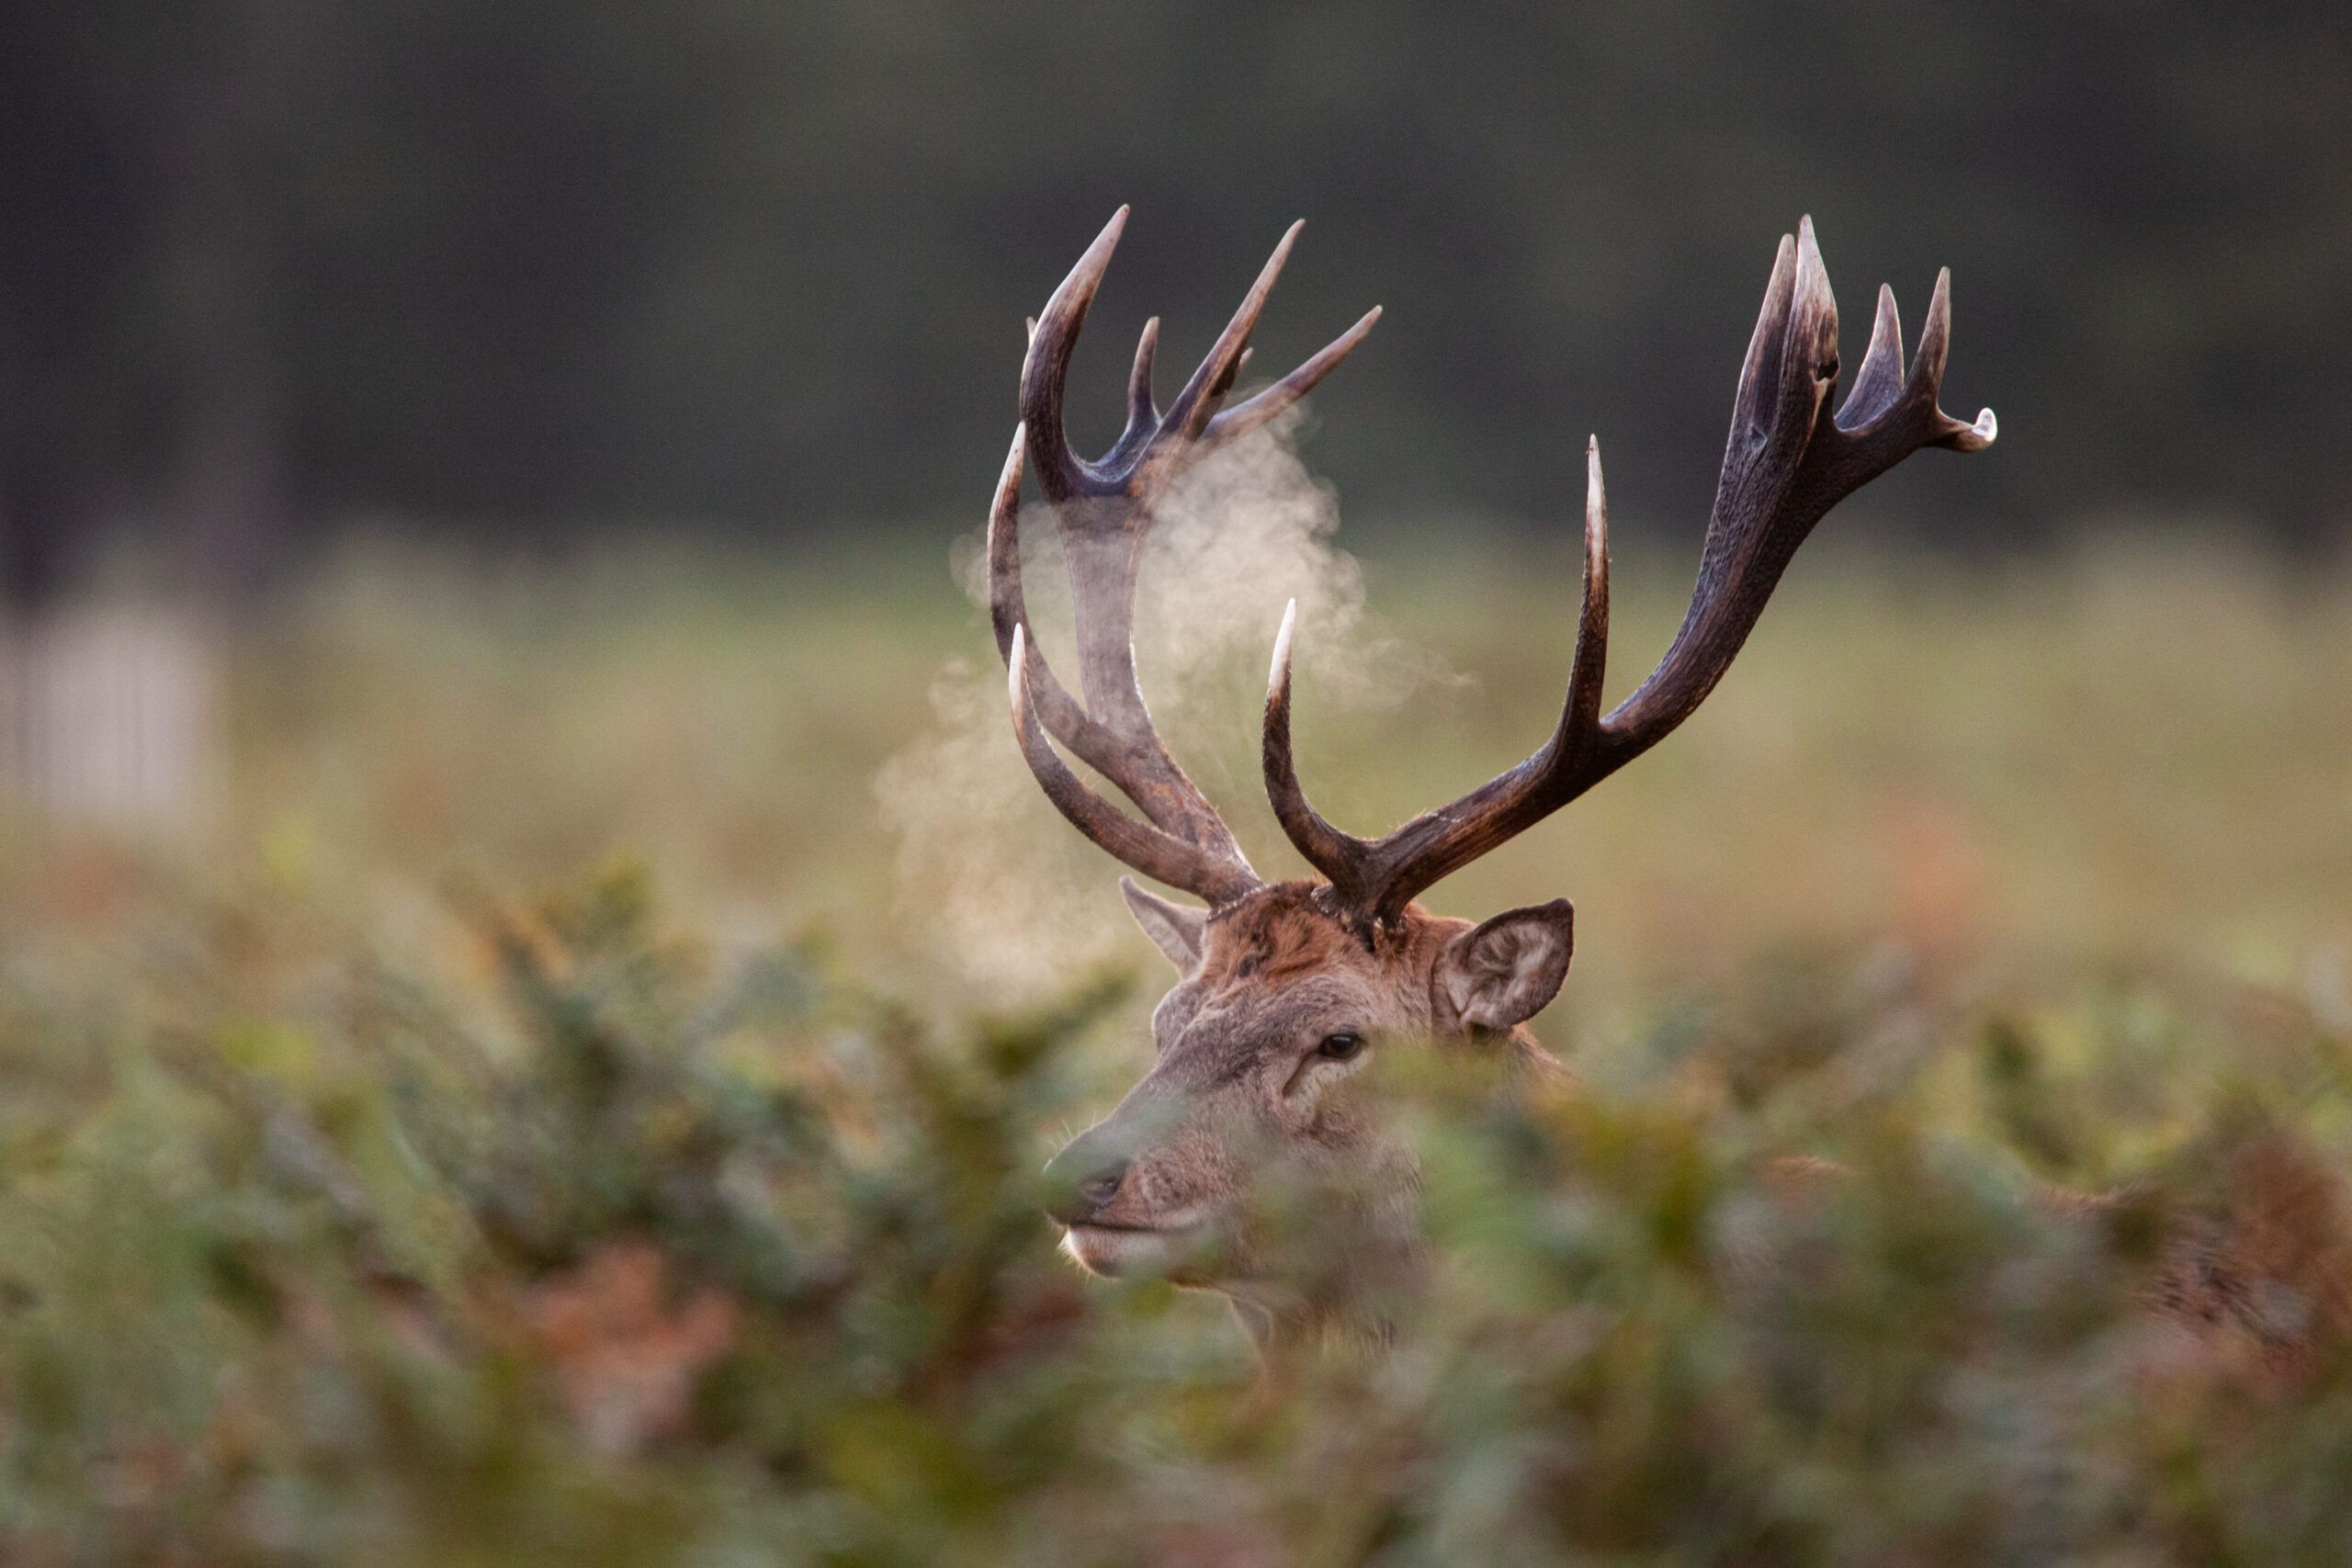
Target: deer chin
1110, 1251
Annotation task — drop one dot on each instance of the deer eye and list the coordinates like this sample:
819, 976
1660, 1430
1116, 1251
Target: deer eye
1340, 1046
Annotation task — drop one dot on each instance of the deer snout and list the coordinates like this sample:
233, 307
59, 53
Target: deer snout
1081, 1181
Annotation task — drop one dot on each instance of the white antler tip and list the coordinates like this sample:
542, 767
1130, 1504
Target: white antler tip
1279, 674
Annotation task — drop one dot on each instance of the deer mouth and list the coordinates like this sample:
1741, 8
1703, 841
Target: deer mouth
1111, 1250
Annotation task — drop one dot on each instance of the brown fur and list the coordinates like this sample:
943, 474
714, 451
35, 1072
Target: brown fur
1241, 1085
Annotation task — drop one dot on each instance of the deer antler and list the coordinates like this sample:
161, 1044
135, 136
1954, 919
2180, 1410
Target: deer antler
1102, 509
1786, 463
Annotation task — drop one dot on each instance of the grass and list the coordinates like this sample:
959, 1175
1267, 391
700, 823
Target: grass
558, 1106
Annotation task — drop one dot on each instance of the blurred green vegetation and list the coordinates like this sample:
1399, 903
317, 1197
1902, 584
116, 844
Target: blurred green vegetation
397, 1170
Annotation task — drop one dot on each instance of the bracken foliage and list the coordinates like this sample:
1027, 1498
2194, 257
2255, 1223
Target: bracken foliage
603, 1248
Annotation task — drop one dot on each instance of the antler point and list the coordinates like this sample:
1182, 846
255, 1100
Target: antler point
1278, 676
1016, 676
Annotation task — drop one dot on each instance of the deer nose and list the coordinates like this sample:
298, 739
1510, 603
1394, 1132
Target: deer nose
1079, 1194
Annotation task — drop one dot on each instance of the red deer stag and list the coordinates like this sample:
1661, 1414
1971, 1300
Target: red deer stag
1288, 987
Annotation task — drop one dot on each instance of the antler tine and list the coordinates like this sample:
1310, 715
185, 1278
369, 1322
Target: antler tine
1259, 410
1889, 415
1761, 369
1378, 878
1194, 407
1786, 463
1147, 849
1591, 666
1928, 374
1045, 371
1880, 380
1343, 858
1143, 415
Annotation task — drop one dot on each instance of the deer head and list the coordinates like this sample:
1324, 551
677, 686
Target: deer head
1287, 989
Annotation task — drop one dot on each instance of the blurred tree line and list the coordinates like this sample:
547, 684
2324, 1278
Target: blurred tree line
529, 267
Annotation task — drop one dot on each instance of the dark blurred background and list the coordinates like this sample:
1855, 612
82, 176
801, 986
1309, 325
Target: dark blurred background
524, 271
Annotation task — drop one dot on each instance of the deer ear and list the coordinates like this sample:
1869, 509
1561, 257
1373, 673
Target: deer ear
1506, 971
1174, 929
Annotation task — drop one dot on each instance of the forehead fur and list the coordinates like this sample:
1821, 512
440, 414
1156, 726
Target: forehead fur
1283, 931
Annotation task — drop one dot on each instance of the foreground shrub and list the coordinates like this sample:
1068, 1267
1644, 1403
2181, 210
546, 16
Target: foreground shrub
647, 1259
